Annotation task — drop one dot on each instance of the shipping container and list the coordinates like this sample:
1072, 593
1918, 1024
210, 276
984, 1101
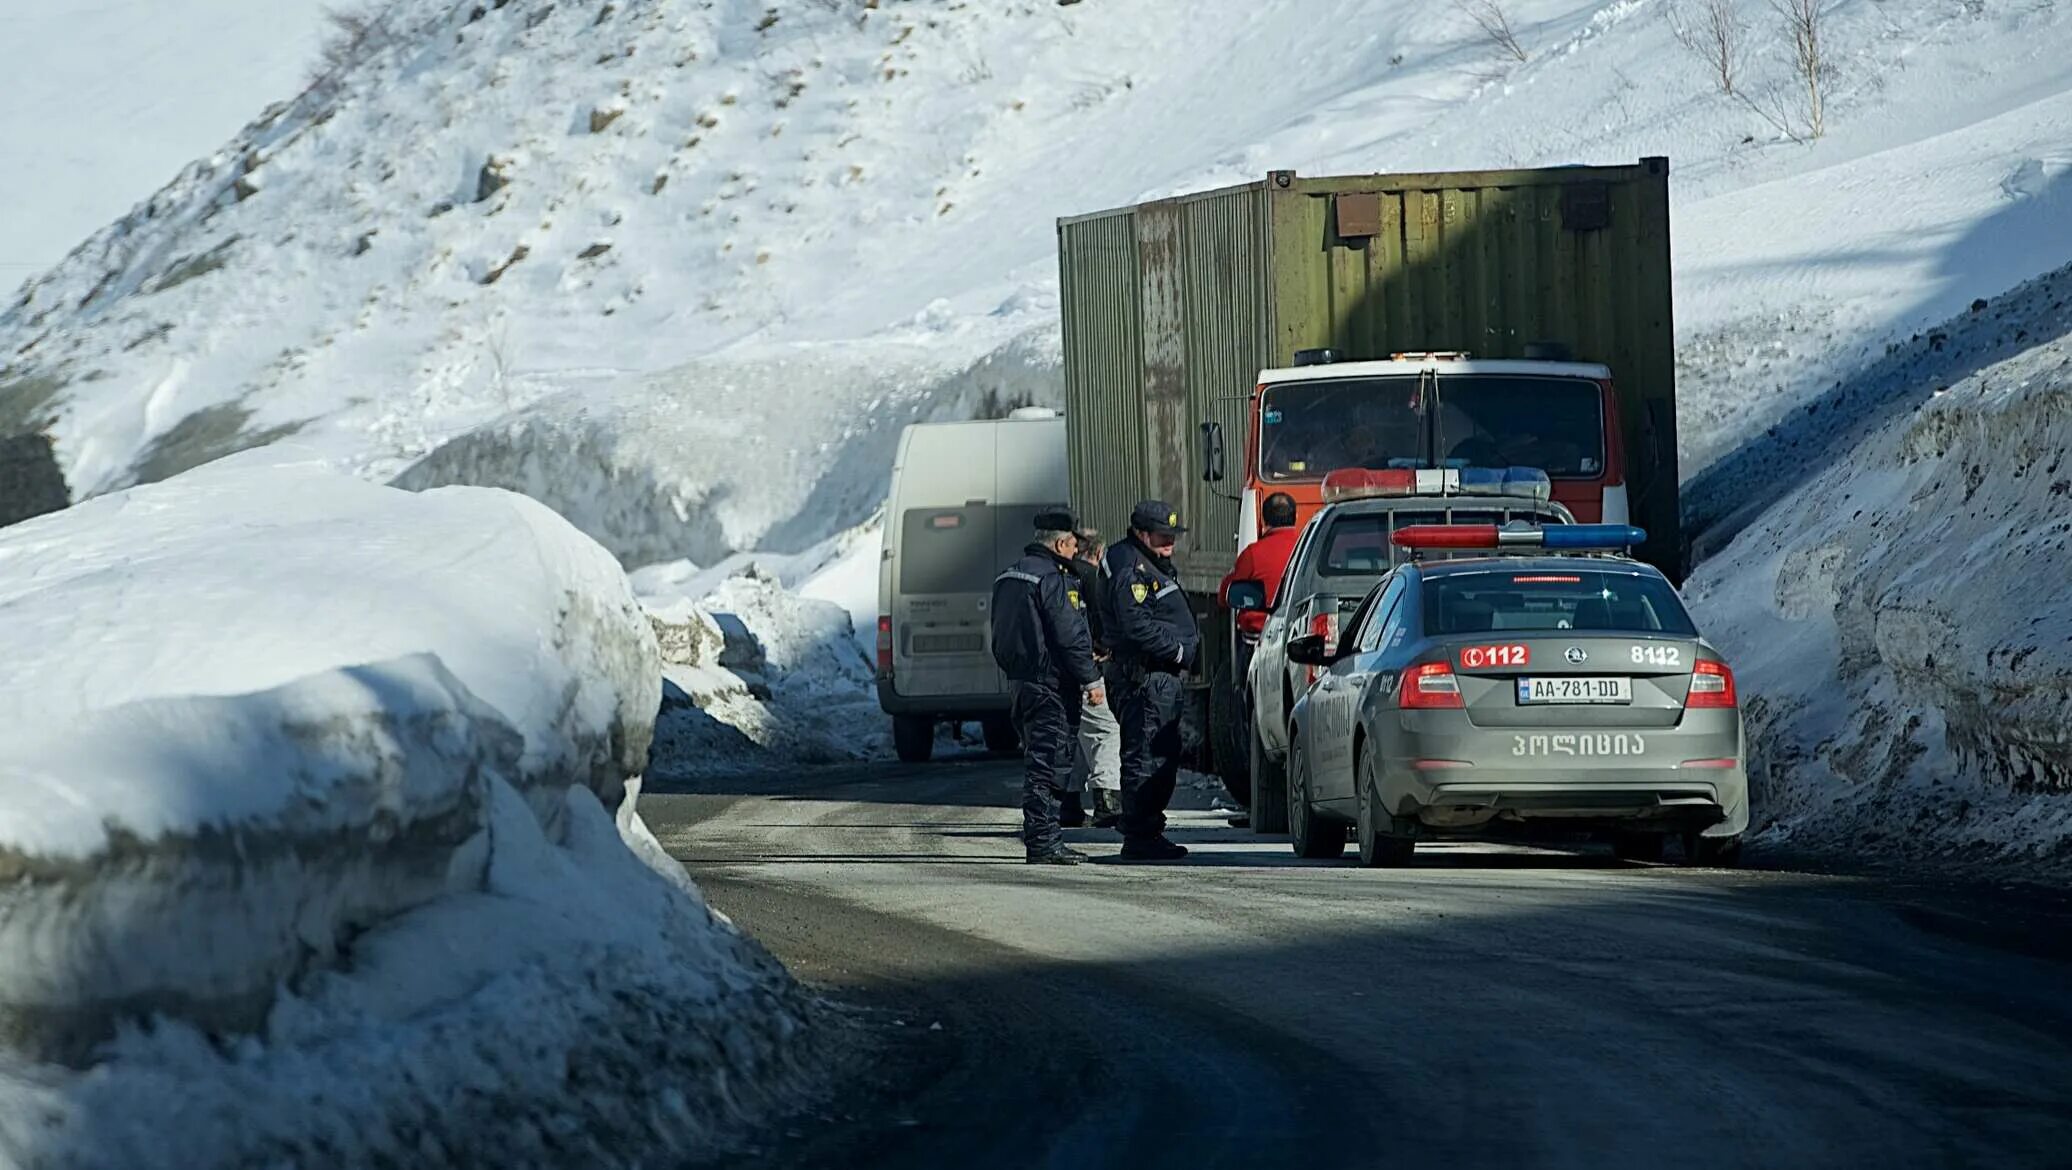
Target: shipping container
1172, 308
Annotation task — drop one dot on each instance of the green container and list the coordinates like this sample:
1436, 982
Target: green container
1171, 308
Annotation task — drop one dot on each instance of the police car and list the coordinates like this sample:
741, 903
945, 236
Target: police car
1343, 552
1522, 685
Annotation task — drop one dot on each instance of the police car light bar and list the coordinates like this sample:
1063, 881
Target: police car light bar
1355, 483
1558, 537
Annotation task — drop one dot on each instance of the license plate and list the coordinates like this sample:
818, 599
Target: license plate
1594, 689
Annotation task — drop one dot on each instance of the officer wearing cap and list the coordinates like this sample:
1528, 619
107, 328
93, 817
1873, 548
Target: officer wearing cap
1153, 641
1041, 643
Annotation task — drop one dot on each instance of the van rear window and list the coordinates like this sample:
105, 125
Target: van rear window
948, 550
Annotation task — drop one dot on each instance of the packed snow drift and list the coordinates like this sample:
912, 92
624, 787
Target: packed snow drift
318, 823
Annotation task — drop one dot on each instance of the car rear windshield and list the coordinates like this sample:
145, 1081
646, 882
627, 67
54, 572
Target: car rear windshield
1553, 599
1307, 429
1358, 544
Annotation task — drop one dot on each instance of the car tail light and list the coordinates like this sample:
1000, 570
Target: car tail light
1712, 763
1712, 686
885, 646
1322, 625
1430, 686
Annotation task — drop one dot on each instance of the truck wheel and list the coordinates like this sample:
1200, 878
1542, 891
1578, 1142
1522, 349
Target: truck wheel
1269, 789
1314, 836
913, 737
1000, 735
1227, 735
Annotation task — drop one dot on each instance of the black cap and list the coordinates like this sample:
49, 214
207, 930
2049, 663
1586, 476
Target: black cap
1056, 520
1156, 516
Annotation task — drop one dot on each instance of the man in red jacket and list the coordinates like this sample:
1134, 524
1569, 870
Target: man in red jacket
1265, 560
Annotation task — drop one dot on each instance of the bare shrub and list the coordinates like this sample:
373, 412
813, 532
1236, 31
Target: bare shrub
1716, 34
1495, 23
1803, 23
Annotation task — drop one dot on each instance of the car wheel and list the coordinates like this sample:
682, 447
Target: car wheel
1313, 835
1000, 735
1378, 848
913, 737
1227, 734
1632, 846
1269, 790
1712, 852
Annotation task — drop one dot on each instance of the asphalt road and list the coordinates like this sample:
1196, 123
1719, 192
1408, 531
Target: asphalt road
1489, 1006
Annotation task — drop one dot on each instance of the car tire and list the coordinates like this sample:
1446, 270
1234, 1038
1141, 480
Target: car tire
1711, 852
1313, 835
1269, 789
1378, 849
1635, 846
1227, 735
913, 738
1000, 735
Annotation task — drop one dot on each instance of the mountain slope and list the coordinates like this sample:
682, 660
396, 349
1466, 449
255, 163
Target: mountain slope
588, 205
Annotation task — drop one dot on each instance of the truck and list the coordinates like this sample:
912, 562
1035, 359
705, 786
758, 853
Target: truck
1226, 345
963, 502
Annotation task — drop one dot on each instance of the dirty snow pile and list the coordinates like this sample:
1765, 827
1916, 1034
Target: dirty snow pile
766, 660
318, 827
1901, 621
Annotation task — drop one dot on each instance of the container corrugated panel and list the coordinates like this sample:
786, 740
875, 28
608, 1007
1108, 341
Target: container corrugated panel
1104, 410
1490, 262
1228, 341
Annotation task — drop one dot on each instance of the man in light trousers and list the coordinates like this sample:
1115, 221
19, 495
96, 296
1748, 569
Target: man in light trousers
1099, 771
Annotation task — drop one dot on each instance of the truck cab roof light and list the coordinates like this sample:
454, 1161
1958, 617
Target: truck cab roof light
1552, 537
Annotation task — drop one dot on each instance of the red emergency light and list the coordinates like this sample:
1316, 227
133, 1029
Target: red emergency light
1359, 483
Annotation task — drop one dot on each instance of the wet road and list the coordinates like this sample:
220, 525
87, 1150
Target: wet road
1488, 1006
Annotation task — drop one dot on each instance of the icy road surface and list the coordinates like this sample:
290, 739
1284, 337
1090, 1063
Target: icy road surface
1490, 1006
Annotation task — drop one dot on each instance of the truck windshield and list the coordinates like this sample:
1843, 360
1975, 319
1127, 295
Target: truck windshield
1308, 429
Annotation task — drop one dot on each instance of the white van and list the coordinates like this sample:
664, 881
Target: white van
964, 502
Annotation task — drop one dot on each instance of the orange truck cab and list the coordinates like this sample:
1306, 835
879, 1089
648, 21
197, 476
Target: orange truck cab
1433, 410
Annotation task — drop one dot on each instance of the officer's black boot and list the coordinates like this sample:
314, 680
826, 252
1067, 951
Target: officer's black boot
1071, 812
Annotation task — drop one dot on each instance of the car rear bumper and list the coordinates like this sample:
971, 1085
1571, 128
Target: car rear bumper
1711, 800
940, 706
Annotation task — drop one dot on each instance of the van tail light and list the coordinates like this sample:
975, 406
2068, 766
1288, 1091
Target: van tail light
1429, 687
884, 646
1712, 686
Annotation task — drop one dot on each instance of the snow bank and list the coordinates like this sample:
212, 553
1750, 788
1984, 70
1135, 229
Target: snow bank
307, 825
1899, 621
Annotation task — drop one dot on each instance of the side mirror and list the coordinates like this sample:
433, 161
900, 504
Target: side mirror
1212, 452
1247, 596
1310, 650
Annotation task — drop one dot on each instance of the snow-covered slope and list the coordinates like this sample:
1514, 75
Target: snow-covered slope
101, 102
1901, 621
586, 206
320, 844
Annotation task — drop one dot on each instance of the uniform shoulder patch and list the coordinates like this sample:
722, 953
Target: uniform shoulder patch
1140, 591
1072, 596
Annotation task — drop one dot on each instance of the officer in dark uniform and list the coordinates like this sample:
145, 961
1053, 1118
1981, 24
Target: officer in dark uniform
1041, 642
1153, 641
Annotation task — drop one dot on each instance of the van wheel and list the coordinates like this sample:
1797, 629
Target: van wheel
1269, 789
1314, 835
1000, 735
913, 737
1227, 735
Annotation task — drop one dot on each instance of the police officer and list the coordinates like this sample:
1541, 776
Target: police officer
1041, 642
1153, 641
